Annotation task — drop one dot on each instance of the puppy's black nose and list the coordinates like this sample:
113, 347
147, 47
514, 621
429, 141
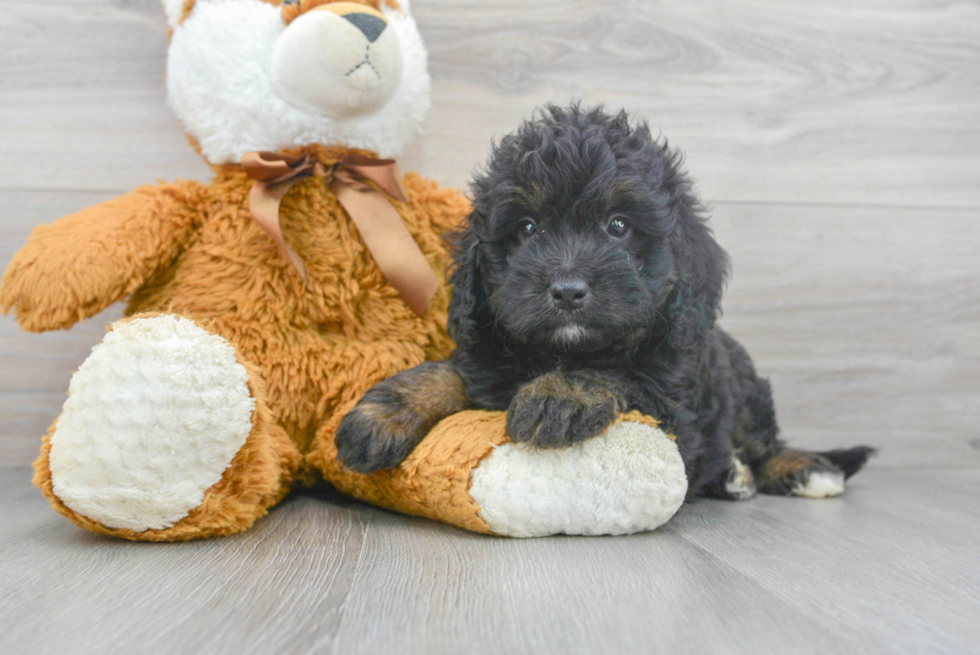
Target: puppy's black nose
569, 294
370, 26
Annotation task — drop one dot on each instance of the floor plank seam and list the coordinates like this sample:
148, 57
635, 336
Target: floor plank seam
345, 605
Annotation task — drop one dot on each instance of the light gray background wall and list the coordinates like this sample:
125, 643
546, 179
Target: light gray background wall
837, 142
839, 145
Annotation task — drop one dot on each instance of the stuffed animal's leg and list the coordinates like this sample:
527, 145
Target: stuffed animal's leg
468, 473
165, 436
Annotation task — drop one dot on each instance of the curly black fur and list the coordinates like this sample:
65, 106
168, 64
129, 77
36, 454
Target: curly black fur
587, 257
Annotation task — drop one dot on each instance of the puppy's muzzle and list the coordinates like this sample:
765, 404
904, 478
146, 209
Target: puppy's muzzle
569, 294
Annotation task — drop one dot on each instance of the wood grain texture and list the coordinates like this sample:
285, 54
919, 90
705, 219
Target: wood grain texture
867, 321
889, 567
839, 145
290, 576
821, 102
816, 102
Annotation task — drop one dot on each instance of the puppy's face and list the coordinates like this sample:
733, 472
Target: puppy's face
576, 220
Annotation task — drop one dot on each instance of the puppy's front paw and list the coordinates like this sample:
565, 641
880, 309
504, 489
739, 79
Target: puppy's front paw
552, 412
374, 436
395, 415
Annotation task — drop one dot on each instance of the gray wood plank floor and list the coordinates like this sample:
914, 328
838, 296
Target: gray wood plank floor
890, 567
838, 144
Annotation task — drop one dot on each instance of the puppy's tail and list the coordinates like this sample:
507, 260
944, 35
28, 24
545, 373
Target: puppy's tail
790, 472
850, 460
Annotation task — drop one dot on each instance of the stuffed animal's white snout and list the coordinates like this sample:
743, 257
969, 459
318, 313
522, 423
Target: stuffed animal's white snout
246, 75
340, 60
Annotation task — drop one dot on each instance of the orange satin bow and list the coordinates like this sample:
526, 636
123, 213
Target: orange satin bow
365, 187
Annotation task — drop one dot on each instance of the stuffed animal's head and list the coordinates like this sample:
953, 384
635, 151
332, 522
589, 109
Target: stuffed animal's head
245, 75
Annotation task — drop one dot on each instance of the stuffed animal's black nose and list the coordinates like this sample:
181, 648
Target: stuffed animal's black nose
569, 294
370, 26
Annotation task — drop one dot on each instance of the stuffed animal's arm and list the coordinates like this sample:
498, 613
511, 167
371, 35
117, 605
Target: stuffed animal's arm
82, 263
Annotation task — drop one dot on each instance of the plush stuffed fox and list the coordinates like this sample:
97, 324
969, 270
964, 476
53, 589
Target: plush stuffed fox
262, 305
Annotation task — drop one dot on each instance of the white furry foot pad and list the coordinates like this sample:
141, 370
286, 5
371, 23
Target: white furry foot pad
153, 418
740, 484
820, 484
789, 472
629, 479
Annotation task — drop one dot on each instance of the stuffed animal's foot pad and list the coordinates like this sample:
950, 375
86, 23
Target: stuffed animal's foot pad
153, 418
629, 479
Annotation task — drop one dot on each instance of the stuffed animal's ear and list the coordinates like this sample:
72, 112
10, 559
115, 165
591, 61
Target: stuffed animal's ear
700, 270
174, 9
468, 289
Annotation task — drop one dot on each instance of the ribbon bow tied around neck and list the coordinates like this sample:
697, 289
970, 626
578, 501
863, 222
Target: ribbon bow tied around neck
365, 187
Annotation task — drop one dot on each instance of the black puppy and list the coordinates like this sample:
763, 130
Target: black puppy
587, 284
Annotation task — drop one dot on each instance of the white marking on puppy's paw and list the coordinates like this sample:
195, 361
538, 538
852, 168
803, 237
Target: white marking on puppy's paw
153, 418
821, 484
741, 483
629, 479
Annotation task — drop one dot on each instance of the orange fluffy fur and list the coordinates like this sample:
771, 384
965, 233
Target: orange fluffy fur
311, 350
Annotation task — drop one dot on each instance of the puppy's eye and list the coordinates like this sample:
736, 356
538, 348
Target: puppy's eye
526, 229
618, 227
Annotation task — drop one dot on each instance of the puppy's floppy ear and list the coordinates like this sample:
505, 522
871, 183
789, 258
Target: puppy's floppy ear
468, 285
700, 270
